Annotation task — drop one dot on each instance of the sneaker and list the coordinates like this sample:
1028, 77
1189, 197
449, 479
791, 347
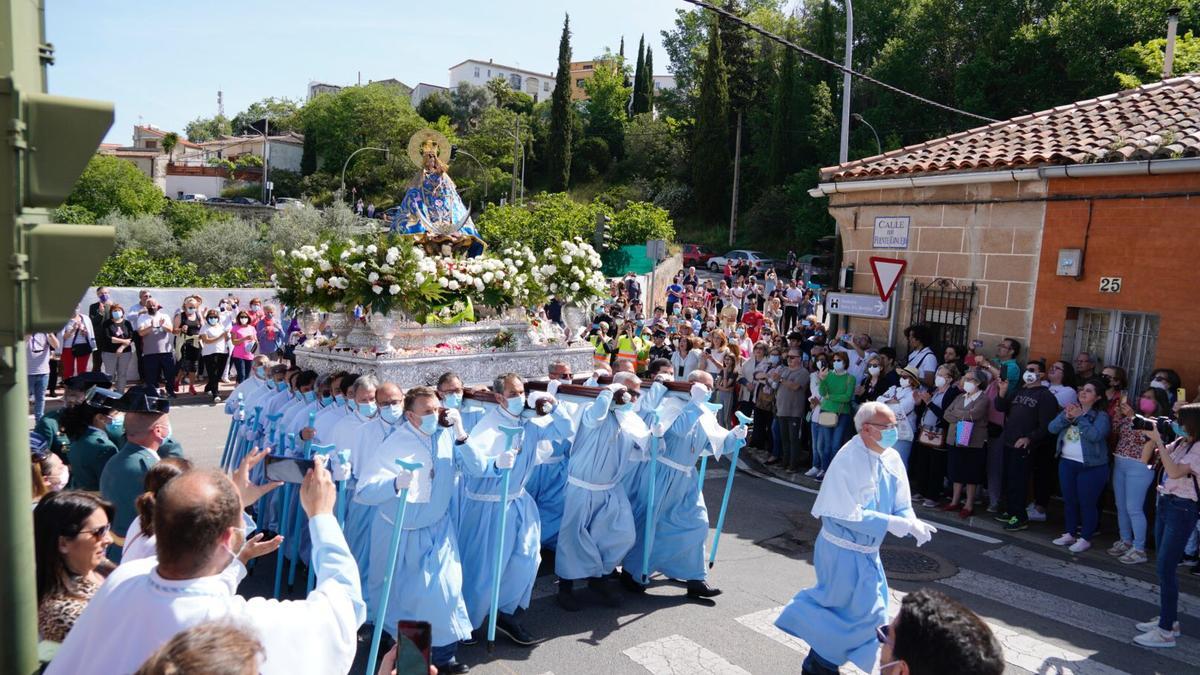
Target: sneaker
1079, 546
812, 473
1036, 516
1003, 518
1065, 540
916, 497
1155, 638
1119, 549
1189, 559
216, 399
1015, 524
992, 508
929, 504
820, 475
1152, 624
1133, 557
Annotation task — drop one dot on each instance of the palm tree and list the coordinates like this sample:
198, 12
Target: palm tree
169, 142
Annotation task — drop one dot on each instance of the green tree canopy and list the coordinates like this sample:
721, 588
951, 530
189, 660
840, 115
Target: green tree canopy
207, 128
282, 112
109, 185
608, 96
562, 114
356, 117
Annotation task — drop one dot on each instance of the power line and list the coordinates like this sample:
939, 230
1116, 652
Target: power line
813, 55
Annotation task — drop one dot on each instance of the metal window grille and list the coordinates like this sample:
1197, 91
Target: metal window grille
1119, 338
945, 308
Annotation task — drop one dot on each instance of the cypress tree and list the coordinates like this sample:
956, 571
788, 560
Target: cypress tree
710, 151
649, 80
308, 154
559, 151
782, 120
639, 105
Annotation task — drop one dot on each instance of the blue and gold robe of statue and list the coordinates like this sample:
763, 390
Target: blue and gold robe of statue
434, 207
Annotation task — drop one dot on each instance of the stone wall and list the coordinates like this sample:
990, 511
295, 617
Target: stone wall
996, 246
663, 274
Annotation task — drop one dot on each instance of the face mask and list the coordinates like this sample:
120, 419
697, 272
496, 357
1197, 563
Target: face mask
281, 385
939, 381
429, 424
57, 483
152, 311
1159, 384
244, 321
339, 399
515, 405
1030, 377
117, 316
116, 427
699, 390
170, 431
1178, 429
367, 409
391, 413
806, 323
741, 332
623, 407
839, 366
773, 359
212, 320
905, 383
873, 370
1147, 406
232, 553
260, 371
821, 365
326, 401
104, 297
191, 311
309, 396
453, 400
970, 387
888, 437
256, 307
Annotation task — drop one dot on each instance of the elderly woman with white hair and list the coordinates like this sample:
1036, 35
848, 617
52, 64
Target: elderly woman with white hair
864, 496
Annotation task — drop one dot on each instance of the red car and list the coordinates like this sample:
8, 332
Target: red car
695, 254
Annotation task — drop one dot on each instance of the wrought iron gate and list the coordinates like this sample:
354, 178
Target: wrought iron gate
945, 308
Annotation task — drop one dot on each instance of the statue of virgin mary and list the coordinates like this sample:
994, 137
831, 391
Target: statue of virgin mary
431, 205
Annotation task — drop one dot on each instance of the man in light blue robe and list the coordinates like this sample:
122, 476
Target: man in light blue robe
257, 382
427, 577
450, 391
479, 504
686, 432
647, 410
597, 525
863, 497
547, 485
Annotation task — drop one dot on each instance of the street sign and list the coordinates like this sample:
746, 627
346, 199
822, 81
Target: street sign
890, 232
862, 305
887, 273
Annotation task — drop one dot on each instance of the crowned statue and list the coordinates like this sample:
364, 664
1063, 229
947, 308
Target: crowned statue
432, 209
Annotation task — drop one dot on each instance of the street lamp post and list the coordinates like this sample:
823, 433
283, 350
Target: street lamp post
878, 145
342, 191
844, 148
482, 169
266, 134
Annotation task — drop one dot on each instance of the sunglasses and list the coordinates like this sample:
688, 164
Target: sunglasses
99, 532
883, 634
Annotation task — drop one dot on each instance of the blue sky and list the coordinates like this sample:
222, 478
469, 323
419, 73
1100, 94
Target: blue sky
164, 61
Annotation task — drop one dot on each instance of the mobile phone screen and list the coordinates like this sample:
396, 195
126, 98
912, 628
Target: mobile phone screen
413, 653
287, 469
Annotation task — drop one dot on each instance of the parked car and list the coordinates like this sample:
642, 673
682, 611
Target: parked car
289, 203
218, 200
759, 262
695, 254
192, 198
250, 201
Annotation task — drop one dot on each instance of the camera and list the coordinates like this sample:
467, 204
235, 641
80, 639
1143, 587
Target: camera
1162, 424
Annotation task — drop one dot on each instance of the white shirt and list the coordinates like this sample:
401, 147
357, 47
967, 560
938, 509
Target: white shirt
218, 347
137, 546
793, 296
136, 611
858, 364
924, 361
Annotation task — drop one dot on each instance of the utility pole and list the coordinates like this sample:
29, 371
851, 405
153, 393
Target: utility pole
737, 168
844, 148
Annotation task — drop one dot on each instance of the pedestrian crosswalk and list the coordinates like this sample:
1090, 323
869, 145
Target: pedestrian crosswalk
1034, 590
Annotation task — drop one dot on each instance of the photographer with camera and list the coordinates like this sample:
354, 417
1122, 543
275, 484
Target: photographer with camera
1082, 449
1175, 518
1132, 473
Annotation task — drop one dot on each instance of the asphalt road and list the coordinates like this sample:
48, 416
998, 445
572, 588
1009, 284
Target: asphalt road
1054, 612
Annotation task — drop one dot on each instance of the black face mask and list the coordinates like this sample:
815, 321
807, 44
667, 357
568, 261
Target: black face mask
152, 311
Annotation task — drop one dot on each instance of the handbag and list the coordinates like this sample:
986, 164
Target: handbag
932, 437
81, 349
827, 418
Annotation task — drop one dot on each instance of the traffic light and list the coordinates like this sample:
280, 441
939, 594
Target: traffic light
824, 263
602, 241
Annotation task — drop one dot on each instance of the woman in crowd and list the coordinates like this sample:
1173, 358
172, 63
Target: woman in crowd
927, 466
70, 532
726, 385
187, 326
954, 356
118, 347
139, 540
1061, 376
833, 423
714, 353
243, 337
86, 427
1167, 380
1117, 382
902, 401
878, 378
1174, 521
1132, 475
213, 338
774, 312
966, 435
49, 474
764, 402
1082, 449
78, 342
752, 371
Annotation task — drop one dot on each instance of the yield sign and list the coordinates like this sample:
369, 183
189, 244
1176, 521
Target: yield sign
887, 273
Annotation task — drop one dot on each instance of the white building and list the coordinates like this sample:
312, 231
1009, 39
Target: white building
423, 91
317, 88
538, 85
663, 82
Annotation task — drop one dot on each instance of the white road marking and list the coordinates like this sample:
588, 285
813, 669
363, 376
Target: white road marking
940, 526
677, 655
1084, 617
763, 623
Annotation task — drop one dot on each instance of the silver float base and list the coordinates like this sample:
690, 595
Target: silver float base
475, 368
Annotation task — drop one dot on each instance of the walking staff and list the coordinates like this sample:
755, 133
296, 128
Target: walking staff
712, 556
510, 434
393, 553
231, 438
655, 439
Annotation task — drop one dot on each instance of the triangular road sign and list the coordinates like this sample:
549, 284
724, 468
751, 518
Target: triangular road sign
887, 273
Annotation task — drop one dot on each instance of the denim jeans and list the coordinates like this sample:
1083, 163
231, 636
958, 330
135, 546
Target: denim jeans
829, 440
241, 368
1081, 488
37, 388
776, 438
815, 664
789, 434
1131, 479
905, 449
1173, 524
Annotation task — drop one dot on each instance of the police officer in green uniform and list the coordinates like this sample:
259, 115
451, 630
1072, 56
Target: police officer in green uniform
146, 427
86, 426
49, 427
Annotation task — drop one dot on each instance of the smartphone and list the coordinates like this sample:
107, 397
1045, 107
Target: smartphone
976, 344
413, 648
1181, 394
287, 469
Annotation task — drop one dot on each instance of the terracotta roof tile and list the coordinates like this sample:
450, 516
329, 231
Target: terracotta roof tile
1154, 121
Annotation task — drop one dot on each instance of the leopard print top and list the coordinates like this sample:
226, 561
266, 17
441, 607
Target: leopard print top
58, 611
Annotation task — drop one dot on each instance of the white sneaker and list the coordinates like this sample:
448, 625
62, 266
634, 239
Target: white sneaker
1133, 557
1119, 549
1155, 638
1079, 546
811, 473
1152, 624
929, 504
216, 399
1065, 540
1036, 516
820, 476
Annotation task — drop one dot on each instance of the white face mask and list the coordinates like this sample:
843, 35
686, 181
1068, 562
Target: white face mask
970, 387
839, 366
905, 383
57, 483
939, 381
873, 370
1030, 377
